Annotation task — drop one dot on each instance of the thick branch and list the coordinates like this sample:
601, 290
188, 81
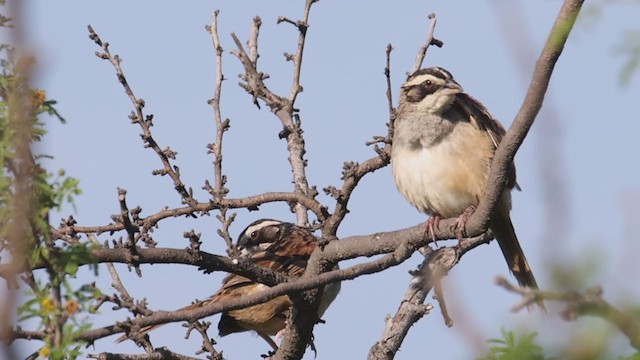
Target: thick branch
157, 354
528, 111
435, 266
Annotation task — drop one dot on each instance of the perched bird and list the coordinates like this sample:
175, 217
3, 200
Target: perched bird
443, 144
276, 245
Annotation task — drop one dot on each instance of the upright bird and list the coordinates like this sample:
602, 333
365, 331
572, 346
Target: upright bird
275, 245
443, 144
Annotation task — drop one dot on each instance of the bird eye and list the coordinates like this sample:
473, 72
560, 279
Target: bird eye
428, 83
254, 234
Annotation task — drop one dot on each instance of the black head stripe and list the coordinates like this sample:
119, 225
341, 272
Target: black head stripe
434, 71
416, 93
260, 231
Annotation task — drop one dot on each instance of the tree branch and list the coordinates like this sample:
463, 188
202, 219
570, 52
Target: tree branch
145, 122
590, 303
528, 111
430, 41
282, 107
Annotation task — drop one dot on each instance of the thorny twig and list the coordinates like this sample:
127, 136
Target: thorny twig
124, 300
219, 191
353, 172
282, 107
145, 122
207, 342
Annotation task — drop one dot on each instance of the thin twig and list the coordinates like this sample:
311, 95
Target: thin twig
219, 190
387, 75
430, 41
284, 109
145, 122
252, 44
353, 172
125, 219
207, 342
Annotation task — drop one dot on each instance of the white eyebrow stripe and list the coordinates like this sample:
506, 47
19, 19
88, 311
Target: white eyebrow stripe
261, 225
422, 78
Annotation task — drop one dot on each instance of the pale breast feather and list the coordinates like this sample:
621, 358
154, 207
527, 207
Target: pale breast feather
437, 179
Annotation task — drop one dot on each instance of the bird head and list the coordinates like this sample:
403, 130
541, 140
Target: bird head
260, 234
431, 90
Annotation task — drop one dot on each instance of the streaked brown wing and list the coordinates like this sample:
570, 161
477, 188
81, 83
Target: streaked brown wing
290, 254
480, 117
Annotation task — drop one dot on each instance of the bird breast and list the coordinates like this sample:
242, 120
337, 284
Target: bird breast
446, 177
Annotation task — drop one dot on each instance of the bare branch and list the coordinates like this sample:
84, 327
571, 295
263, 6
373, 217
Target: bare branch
351, 175
430, 41
145, 122
302, 26
283, 108
249, 202
528, 111
434, 267
252, 44
219, 191
125, 219
392, 109
157, 354
207, 342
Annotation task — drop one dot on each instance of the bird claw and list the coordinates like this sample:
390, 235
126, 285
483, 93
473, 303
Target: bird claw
459, 226
433, 223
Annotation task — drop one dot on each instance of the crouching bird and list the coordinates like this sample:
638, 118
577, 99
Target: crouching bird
275, 245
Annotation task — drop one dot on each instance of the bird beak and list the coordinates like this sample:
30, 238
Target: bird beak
243, 251
451, 87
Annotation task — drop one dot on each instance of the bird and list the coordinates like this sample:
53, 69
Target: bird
443, 144
275, 245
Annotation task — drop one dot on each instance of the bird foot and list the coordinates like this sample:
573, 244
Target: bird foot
459, 226
433, 223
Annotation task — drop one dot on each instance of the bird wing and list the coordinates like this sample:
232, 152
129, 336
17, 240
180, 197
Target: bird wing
482, 119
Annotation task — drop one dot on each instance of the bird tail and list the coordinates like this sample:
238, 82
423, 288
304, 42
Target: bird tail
518, 265
147, 329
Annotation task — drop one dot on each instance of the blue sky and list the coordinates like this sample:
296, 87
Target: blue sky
584, 144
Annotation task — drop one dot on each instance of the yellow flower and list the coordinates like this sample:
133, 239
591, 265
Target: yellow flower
39, 97
48, 306
72, 307
44, 351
